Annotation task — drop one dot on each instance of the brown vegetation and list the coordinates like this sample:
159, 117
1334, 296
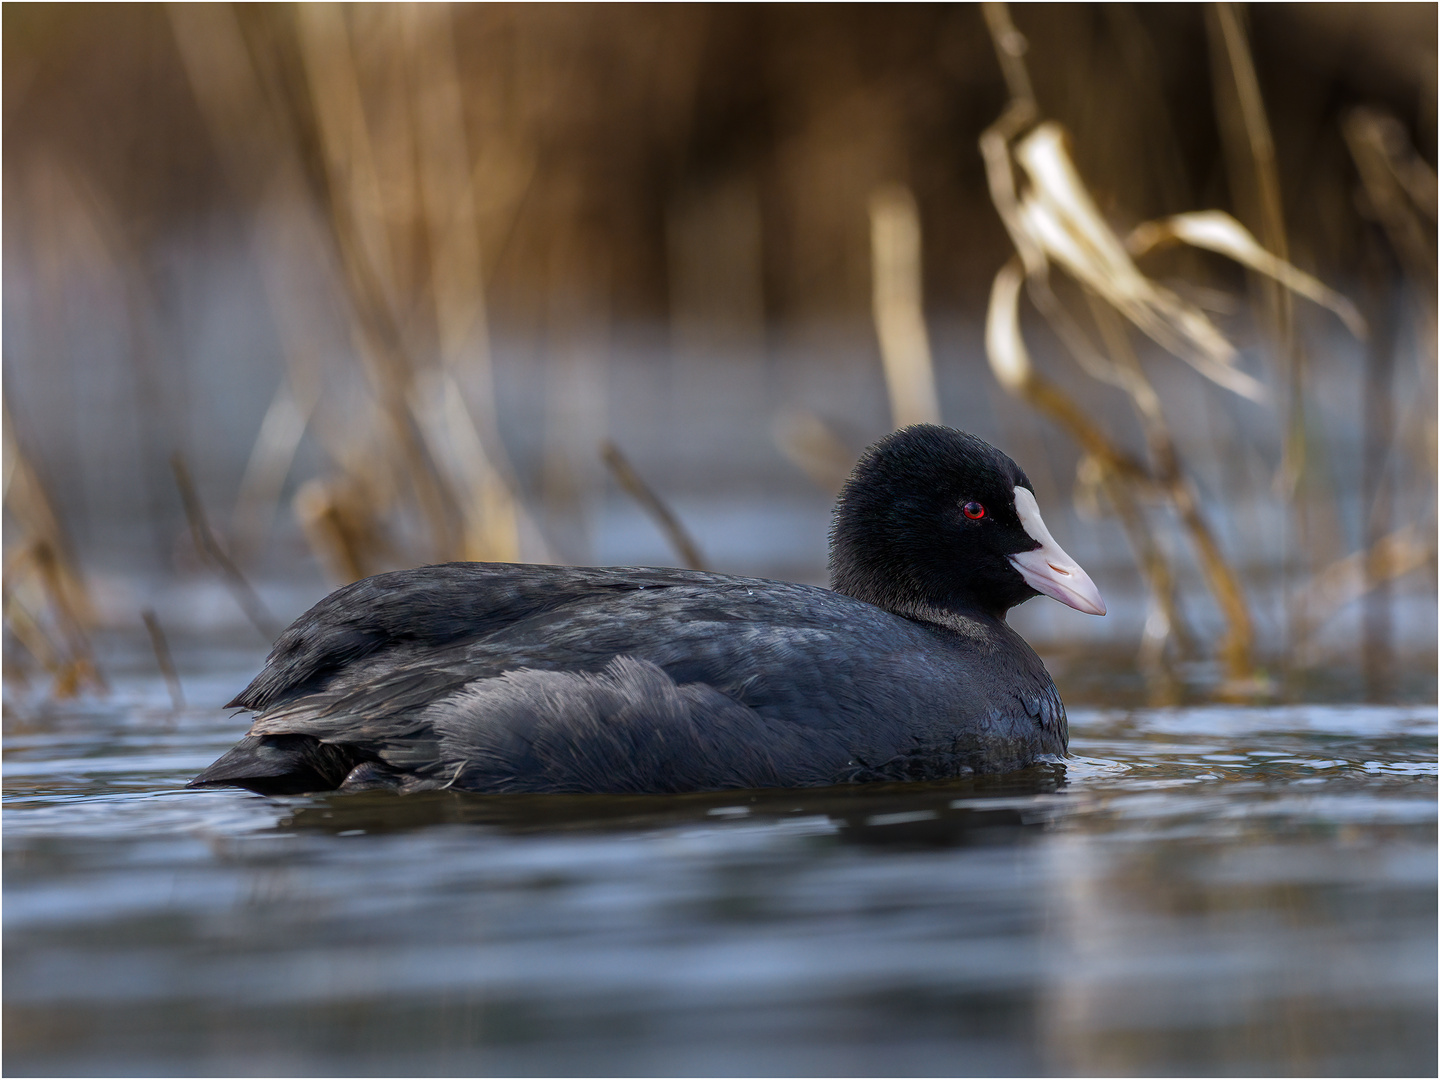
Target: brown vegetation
446, 174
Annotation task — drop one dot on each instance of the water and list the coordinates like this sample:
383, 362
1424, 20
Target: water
1203, 890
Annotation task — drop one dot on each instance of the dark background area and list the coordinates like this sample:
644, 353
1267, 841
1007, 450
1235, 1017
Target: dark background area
625, 109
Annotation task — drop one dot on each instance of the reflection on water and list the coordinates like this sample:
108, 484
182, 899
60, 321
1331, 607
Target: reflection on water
1197, 891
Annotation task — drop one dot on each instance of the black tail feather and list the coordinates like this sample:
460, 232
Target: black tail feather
281, 765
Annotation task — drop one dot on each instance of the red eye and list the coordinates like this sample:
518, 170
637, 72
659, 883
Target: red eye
974, 511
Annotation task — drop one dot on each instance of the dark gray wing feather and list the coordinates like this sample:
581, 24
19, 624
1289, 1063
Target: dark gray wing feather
509, 678
428, 606
629, 728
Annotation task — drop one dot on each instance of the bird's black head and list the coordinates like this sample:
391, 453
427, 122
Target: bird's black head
933, 520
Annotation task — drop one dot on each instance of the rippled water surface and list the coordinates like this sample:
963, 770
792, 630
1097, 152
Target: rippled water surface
1205, 890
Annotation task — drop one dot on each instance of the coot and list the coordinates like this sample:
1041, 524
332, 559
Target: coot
496, 677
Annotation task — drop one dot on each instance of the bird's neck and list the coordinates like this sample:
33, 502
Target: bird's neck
959, 617
958, 613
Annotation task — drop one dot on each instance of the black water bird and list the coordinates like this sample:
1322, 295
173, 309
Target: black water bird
497, 677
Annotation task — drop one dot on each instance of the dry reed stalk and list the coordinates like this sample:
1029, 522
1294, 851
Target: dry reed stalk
269, 464
1244, 124
1255, 186
212, 552
374, 279
397, 191
1123, 480
413, 162
811, 445
1054, 221
339, 518
1254, 177
243, 102
1060, 217
1164, 623
45, 602
255, 140
1171, 477
163, 659
1400, 192
635, 486
898, 306
39, 612
1378, 439
1010, 49
1401, 552
491, 512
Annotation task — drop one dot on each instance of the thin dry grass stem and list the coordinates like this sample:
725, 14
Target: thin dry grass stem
46, 605
898, 306
382, 113
1061, 218
1143, 65
1055, 221
1164, 619
269, 464
491, 511
418, 167
1010, 49
1247, 121
1254, 179
1221, 577
809, 443
355, 202
625, 475
211, 551
1164, 623
1217, 231
1020, 112
163, 659
339, 518
1011, 364
1402, 552
256, 141
1103, 468
1399, 192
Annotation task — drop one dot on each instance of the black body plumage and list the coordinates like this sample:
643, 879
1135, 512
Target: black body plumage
514, 678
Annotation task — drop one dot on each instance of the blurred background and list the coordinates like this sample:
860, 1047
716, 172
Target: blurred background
297, 293
294, 294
